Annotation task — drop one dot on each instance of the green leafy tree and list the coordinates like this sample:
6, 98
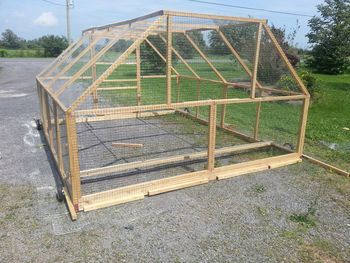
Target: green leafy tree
151, 62
122, 45
53, 45
10, 40
330, 37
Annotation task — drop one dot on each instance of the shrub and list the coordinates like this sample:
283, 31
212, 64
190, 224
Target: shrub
286, 83
309, 81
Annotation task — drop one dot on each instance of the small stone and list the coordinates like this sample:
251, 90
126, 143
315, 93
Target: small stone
129, 227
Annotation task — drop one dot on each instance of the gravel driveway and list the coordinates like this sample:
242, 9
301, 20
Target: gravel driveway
299, 213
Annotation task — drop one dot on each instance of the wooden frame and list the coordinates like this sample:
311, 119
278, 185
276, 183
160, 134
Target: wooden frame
164, 24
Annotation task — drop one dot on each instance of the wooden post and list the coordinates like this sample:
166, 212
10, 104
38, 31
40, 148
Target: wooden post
73, 159
178, 88
58, 138
256, 61
138, 78
93, 71
198, 95
168, 60
302, 130
48, 119
211, 139
40, 96
257, 120
223, 107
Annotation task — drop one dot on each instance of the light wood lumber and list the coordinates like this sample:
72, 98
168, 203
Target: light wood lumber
217, 73
177, 158
256, 61
127, 145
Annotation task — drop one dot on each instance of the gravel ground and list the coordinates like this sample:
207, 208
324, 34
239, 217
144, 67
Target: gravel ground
299, 213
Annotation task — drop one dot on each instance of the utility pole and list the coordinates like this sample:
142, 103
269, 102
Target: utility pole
69, 4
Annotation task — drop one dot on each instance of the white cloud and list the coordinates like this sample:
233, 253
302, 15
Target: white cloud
46, 19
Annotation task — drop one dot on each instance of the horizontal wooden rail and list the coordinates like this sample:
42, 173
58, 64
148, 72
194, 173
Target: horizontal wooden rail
119, 80
138, 191
256, 165
244, 86
117, 88
132, 115
81, 113
317, 162
177, 158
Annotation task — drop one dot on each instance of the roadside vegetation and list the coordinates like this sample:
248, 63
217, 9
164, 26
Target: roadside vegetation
12, 45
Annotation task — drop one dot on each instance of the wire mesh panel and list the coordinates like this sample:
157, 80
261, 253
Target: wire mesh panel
168, 101
134, 150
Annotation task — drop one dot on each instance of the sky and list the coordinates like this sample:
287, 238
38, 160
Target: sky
31, 19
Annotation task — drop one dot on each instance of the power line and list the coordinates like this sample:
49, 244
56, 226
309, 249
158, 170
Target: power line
53, 3
249, 8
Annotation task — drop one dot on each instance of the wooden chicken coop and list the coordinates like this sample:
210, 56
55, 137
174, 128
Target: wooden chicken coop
168, 101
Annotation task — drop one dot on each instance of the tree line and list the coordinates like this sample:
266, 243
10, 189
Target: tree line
51, 45
329, 38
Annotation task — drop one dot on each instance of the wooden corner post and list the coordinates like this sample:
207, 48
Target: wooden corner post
138, 78
211, 140
58, 137
73, 159
256, 61
223, 107
302, 129
93, 70
168, 59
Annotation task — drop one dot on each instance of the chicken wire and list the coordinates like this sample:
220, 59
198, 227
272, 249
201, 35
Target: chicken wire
107, 76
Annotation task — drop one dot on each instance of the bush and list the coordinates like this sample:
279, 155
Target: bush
2, 53
286, 83
309, 81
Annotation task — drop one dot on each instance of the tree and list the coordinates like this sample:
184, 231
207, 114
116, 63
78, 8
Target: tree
151, 62
122, 45
217, 45
10, 40
330, 37
286, 43
53, 45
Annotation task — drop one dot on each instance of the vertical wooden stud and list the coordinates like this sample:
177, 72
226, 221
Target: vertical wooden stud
198, 95
48, 119
73, 159
256, 61
302, 130
168, 60
58, 138
44, 111
138, 78
178, 88
41, 106
223, 106
93, 72
211, 139
257, 120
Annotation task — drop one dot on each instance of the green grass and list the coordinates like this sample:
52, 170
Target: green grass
329, 114
15, 53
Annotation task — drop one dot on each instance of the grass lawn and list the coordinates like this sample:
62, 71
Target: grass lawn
327, 137
327, 133
27, 53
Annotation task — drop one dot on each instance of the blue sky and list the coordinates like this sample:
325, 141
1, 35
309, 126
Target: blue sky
34, 18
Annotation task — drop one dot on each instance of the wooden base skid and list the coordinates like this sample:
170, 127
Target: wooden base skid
138, 191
